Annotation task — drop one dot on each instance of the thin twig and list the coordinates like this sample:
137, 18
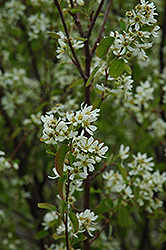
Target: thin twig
102, 28
20, 143
77, 22
78, 65
88, 33
97, 235
99, 172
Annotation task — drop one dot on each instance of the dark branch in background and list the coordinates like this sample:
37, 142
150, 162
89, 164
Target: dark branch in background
16, 213
3, 2
162, 65
162, 59
102, 28
163, 27
78, 65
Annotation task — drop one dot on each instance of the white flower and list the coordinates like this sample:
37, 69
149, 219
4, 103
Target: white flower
124, 152
48, 218
56, 174
86, 221
80, 2
77, 170
85, 162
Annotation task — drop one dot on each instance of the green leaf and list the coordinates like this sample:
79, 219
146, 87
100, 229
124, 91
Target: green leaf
97, 103
16, 132
60, 158
75, 10
74, 221
123, 171
122, 24
95, 191
123, 216
61, 187
41, 107
92, 75
53, 34
48, 151
101, 208
116, 67
109, 203
57, 237
80, 39
41, 234
128, 69
77, 83
104, 46
63, 207
81, 237
47, 206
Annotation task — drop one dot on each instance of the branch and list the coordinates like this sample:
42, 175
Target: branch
88, 33
78, 65
102, 28
163, 26
77, 22
97, 235
99, 172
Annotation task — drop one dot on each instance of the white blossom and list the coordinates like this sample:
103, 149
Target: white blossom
86, 221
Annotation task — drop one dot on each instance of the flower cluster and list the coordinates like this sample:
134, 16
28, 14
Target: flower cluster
37, 24
141, 25
63, 42
139, 103
14, 84
5, 164
86, 222
66, 127
85, 150
141, 184
122, 86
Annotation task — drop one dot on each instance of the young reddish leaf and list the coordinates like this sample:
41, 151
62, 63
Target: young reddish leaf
104, 46
92, 75
116, 67
61, 187
60, 158
74, 221
47, 206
